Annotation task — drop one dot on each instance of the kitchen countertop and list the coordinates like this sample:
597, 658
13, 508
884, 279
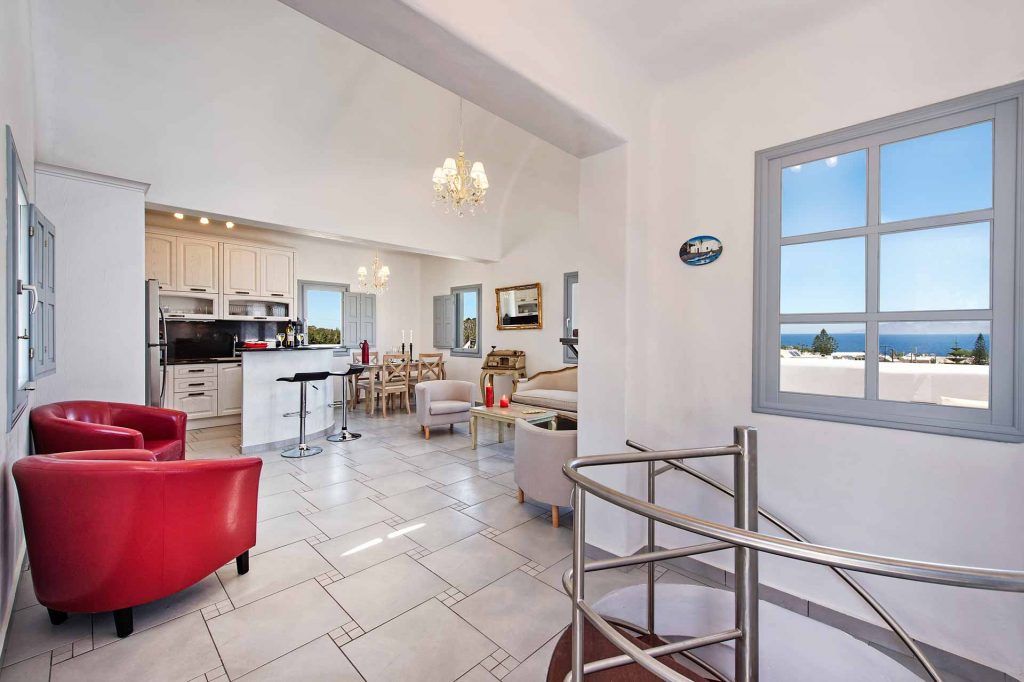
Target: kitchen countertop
202, 361
237, 358
264, 350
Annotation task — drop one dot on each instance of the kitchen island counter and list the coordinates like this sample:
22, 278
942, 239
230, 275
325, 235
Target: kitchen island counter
265, 400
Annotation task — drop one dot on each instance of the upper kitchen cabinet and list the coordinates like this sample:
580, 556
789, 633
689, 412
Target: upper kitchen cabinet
161, 253
198, 263
241, 269
277, 270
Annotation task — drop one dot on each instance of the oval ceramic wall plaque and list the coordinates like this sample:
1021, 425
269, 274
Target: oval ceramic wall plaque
700, 250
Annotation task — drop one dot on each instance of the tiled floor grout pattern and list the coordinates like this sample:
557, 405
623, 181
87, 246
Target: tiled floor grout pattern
390, 523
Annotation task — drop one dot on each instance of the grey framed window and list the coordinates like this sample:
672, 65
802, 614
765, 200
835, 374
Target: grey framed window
467, 320
321, 306
570, 329
886, 256
19, 289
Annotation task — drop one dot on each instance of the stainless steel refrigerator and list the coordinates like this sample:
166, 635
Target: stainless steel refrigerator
156, 346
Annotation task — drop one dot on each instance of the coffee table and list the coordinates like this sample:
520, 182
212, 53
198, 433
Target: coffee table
507, 416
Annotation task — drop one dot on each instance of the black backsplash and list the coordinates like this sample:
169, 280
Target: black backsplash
194, 340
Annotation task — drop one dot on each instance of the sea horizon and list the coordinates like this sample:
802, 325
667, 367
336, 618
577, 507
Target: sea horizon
925, 344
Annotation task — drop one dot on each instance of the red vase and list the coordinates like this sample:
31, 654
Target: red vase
489, 396
364, 347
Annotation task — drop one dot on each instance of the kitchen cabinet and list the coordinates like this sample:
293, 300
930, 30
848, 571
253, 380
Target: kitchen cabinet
240, 269
277, 273
257, 308
161, 253
189, 306
198, 265
189, 371
197, 404
229, 388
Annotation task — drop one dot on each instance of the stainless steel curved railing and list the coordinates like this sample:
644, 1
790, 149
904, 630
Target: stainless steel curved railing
746, 541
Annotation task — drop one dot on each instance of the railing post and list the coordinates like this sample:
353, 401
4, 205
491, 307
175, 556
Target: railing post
650, 548
745, 472
578, 574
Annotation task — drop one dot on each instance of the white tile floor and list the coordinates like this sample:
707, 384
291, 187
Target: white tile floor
388, 558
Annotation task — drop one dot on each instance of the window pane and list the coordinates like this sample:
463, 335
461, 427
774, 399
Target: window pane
941, 363
823, 359
829, 194
323, 316
823, 277
936, 174
468, 320
945, 268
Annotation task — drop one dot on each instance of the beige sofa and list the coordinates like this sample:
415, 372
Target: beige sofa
554, 390
444, 402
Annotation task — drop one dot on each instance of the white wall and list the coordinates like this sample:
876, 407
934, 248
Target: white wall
329, 260
315, 132
100, 295
894, 492
17, 107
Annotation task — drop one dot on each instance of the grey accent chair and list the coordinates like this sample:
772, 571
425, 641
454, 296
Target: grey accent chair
540, 454
443, 402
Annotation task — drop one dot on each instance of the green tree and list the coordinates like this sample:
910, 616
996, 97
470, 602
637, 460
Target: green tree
958, 355
323, 335
469, 332
980, 353
824, 343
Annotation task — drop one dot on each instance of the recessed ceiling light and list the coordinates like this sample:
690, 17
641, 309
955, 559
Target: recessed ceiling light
179, 216
832, 161
229, 224
204, 220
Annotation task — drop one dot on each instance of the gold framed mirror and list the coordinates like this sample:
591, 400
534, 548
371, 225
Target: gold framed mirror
520, 307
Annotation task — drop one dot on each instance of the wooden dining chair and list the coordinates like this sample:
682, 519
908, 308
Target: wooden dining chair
360, 382
431, 366
393, 380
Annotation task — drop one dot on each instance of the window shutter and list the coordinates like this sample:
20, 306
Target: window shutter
350, 320
368, 317
42, 268
444, 321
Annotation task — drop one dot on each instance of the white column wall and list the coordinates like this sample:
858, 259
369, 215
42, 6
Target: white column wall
100, 271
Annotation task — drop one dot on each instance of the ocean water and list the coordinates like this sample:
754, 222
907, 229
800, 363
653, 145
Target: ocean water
933, 344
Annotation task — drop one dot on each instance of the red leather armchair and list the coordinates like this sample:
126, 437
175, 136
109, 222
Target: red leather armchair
94, 425
109, 530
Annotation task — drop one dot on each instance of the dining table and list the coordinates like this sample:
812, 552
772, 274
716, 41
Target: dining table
374, 370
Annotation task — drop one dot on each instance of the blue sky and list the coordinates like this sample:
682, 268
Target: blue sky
323, 308
942, 268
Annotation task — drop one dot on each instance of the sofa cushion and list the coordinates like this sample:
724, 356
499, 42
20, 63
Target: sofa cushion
547, 397
165, 450
448, 406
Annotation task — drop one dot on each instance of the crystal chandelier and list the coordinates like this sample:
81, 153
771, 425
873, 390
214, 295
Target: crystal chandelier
459, 185
378, 281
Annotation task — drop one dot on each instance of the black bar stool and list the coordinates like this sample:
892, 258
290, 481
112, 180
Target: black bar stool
345, 434
303, 378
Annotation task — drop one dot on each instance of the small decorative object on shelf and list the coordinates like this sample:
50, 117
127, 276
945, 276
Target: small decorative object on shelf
489, 396
700, 250
504, 401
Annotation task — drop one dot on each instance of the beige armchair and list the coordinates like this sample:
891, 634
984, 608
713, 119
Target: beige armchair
446, 401
554, 390
540, 454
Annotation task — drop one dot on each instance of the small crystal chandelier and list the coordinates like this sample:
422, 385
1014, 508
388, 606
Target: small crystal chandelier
381, 273
459, 185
